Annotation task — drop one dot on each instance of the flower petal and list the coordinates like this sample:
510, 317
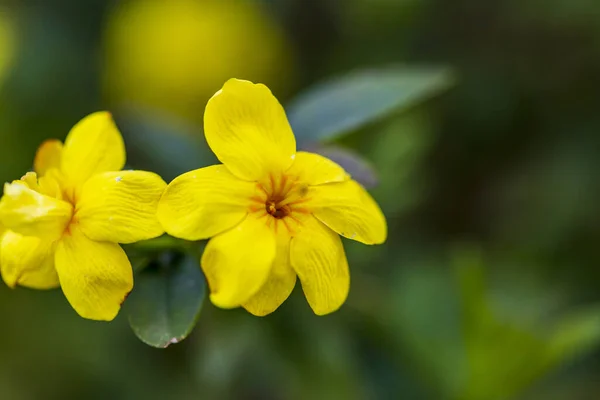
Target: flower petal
30, 213
120, 206
349, 210
93, 145
202, 203
27, 261
48, 184
279, 285
237, 263
318, 257
247, 129
48, 156
314, 169
96, 277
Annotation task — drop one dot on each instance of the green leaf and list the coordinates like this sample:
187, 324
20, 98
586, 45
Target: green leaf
575, 334
353, 163
346, 103
167, 299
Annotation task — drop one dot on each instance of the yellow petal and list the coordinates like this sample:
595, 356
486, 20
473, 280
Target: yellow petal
93, 145
120, 206
314, 169
202, 203
27, 261
30, 213
237, 263
96, 277
279, 284
349, 210
247, 129
318, 257
48, 156
47, 184
30, 179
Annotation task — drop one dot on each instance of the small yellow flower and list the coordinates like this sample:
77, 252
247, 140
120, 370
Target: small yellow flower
273, 213
64, 221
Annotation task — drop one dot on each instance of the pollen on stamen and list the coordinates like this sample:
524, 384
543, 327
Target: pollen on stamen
277, 212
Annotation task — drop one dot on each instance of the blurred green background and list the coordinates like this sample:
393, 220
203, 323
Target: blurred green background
489, 284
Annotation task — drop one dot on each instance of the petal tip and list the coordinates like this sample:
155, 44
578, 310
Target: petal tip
106, 315
222, 301
323, 311
11, 282
235, 81
257, 313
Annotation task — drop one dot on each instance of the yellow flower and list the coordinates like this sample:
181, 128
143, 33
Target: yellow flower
273, 213
173, 54
64, 221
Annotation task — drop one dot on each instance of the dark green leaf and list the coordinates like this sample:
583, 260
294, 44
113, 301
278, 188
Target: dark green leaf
344, 104
165, 304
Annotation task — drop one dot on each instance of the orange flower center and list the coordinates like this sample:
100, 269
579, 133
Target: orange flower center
282, 200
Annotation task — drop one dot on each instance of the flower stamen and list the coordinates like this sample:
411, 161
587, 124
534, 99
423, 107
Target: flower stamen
276, 210
280, 198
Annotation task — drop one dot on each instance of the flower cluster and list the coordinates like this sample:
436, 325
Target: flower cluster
272, 213
66, 219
